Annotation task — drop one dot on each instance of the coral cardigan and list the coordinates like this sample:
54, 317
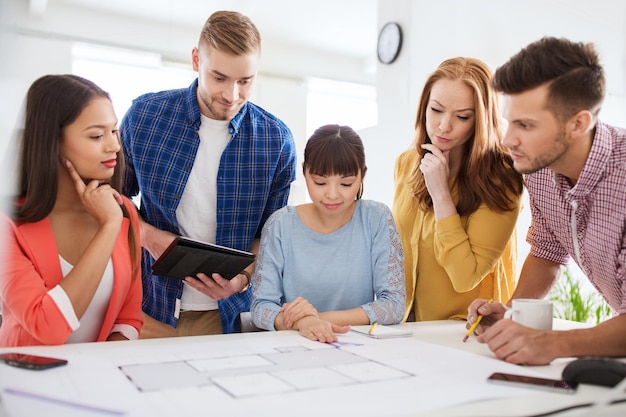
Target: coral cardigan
31, 267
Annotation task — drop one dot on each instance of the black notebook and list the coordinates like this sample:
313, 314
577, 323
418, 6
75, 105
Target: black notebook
186, 257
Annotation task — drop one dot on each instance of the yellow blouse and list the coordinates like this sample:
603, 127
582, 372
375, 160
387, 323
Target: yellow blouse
450, 262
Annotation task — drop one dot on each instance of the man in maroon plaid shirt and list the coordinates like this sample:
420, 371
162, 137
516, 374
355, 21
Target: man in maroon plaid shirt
575, 172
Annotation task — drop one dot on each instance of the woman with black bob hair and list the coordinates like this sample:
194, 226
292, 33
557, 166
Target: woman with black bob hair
336, 261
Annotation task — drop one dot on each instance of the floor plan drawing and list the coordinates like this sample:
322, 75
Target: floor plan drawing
287, 369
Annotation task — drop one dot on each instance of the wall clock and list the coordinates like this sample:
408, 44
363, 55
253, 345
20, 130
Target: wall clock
389, 43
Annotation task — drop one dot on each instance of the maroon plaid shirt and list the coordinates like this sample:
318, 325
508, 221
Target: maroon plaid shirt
586, 222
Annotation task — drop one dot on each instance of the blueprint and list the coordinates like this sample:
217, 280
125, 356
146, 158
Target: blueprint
290, 368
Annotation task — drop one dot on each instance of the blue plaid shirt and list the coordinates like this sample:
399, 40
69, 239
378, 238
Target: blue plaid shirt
160, 140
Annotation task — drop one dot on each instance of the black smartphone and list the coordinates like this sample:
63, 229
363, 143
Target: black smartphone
546, 384
22, 360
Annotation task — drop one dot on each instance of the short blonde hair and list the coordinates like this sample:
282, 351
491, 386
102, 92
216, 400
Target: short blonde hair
230, 32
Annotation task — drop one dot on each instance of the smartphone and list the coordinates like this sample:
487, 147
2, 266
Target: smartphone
22, 360
546, 384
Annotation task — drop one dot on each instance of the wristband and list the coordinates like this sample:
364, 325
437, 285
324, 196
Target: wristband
249, 278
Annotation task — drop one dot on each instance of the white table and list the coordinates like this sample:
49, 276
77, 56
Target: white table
535, 403
283, 374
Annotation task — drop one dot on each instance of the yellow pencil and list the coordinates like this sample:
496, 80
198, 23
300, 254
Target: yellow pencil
478, 319
371, 330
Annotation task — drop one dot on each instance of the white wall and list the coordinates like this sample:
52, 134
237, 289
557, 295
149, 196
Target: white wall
287, 97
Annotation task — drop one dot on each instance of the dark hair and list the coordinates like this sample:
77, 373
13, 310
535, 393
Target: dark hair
230, 32
335, 150
52, 103
572, 71
487, 172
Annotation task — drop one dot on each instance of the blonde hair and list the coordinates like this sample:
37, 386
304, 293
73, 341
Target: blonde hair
230, 32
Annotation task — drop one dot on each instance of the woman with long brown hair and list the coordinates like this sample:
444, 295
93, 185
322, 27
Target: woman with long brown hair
72, 251
457, 196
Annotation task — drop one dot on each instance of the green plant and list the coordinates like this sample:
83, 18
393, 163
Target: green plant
574, 302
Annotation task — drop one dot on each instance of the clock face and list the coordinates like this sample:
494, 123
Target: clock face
389, 43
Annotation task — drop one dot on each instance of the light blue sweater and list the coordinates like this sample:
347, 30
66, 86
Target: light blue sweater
361, 264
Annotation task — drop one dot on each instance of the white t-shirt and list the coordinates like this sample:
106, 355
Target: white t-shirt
196, 212
88, 327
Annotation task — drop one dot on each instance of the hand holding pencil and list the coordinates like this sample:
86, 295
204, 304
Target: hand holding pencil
473, 327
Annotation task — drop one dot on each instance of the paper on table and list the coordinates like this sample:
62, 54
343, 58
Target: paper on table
381, 332
23, 403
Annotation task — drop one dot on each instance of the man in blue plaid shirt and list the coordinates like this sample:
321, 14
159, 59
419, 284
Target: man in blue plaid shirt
209, 165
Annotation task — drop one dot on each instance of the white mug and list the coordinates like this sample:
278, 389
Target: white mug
531, 313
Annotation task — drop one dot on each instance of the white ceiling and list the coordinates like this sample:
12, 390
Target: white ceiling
347, 27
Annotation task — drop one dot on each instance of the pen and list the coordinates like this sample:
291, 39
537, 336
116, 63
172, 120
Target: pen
478, 319
371, 330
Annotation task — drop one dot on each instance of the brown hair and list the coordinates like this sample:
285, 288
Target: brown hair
52, 103
230, 32
572, 71
486, 173
335, 150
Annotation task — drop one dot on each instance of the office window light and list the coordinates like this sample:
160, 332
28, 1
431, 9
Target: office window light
127, 74
338, 102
